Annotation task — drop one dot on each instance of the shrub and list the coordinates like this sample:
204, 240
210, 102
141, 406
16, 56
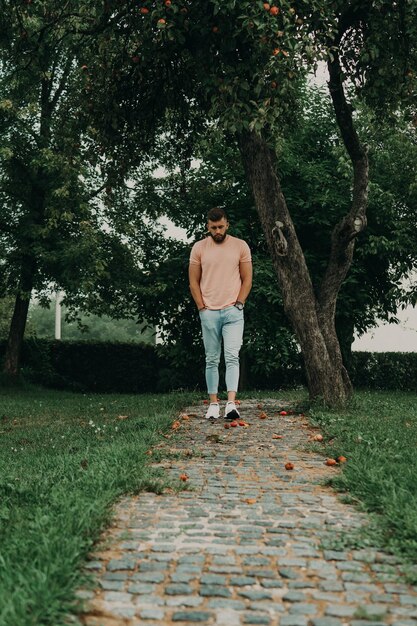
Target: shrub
140, 368
384, 370
84, 365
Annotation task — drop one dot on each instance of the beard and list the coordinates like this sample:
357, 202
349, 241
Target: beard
218, 238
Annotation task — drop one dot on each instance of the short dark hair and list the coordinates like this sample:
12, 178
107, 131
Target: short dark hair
216, 214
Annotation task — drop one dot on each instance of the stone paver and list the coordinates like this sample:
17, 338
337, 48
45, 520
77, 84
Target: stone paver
244, 544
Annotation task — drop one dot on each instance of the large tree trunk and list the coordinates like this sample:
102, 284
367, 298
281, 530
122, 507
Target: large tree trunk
325, 376
312, 315
35, 216
11, 367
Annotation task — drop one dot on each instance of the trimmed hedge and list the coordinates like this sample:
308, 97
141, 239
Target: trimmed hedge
134, 368
384, 370
88, 366
144, 368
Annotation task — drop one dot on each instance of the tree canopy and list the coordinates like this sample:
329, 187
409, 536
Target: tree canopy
176, 69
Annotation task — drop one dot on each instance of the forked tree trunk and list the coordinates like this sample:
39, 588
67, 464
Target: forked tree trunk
325, 376
312, 315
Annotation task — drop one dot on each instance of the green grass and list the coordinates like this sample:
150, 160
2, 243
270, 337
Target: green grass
64, 460
378, 435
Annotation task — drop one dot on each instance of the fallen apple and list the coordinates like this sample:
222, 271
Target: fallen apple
331, 462
289, 466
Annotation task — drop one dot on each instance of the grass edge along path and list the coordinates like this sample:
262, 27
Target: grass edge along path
64, 460
377, 433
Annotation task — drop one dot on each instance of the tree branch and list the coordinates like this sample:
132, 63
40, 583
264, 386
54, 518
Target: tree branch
62, 84
345, 232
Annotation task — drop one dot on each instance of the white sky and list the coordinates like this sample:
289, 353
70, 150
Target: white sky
173, 231
400, 337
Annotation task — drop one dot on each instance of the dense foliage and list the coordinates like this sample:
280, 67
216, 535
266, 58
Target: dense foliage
91, 91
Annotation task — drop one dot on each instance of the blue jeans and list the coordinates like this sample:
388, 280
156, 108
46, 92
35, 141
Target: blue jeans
226, 324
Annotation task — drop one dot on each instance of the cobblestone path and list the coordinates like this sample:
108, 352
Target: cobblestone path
245, 544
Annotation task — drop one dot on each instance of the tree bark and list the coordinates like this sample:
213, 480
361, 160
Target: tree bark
346, 231
34, 216
11, 367
325, 377
312, 316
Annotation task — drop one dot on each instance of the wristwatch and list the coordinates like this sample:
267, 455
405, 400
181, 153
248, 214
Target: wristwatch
239, 305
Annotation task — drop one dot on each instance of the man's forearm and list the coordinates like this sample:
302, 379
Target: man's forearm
196, 295
244, 290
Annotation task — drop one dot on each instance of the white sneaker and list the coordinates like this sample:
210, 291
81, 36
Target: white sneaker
213, 411
231, 412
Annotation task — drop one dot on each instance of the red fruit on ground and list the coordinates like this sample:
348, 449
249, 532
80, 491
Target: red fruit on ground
283, 413
331, 462
289, 466
274, 10
144, 10
318, 437
233, 424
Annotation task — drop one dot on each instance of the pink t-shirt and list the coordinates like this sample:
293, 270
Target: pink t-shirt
220, 276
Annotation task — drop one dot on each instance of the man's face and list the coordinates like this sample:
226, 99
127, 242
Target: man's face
218, 229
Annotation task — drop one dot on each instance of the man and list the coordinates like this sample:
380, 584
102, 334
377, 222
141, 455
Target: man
220, 274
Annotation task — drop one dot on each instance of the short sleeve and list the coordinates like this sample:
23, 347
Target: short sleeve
195, 256
245, 254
